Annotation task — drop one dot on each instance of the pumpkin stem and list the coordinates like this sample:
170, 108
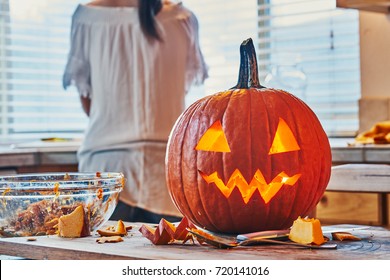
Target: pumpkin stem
253, 69
243, 74
248, 76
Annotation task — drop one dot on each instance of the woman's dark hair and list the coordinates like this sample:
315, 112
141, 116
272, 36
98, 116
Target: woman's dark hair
146, 12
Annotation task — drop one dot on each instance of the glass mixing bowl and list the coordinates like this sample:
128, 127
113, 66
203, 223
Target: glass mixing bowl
30, 204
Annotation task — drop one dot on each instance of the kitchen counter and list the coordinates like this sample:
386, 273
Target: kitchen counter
41, 156
344, 152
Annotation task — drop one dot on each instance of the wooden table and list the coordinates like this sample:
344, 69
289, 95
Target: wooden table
375, 244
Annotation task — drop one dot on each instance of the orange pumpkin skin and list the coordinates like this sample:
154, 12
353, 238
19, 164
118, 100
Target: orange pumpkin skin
249, 118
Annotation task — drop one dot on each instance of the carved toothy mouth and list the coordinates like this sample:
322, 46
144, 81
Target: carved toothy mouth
267, 191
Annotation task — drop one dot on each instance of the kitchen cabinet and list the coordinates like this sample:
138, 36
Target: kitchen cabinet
355, 208
379, 6
357, 193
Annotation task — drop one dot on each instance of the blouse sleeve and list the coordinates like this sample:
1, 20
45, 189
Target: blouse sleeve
77, 70
197, 71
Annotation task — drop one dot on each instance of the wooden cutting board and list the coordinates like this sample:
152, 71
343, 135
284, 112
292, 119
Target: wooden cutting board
375, 244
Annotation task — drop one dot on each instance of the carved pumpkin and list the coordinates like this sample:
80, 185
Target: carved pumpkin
248, 158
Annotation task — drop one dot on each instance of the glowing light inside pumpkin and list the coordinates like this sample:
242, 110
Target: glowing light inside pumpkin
214, 140
267, 191
284, 140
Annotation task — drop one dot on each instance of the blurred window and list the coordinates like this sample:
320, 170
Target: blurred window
34, 42
308, 47
320, 40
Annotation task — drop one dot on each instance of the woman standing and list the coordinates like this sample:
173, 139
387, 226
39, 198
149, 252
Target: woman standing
132, 62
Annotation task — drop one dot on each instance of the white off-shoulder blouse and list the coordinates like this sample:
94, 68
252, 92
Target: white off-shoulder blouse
137, 88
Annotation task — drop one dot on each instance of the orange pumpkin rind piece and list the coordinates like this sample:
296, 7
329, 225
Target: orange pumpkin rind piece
379, 133
161, 235
340, 236
204, 234
167, 232
74, 224
181, 232
188, 237
119, 230
109, 239
307, 231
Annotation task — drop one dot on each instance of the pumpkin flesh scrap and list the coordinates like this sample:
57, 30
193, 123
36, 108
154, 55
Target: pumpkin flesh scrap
344, 236
267, 191
74, 224
118, 230
307, 231
167, 232
161, 235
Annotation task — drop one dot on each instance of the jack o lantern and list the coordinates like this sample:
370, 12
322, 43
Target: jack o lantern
248, 158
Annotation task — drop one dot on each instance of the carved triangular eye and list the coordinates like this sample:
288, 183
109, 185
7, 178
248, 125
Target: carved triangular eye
284, 140
214, 140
